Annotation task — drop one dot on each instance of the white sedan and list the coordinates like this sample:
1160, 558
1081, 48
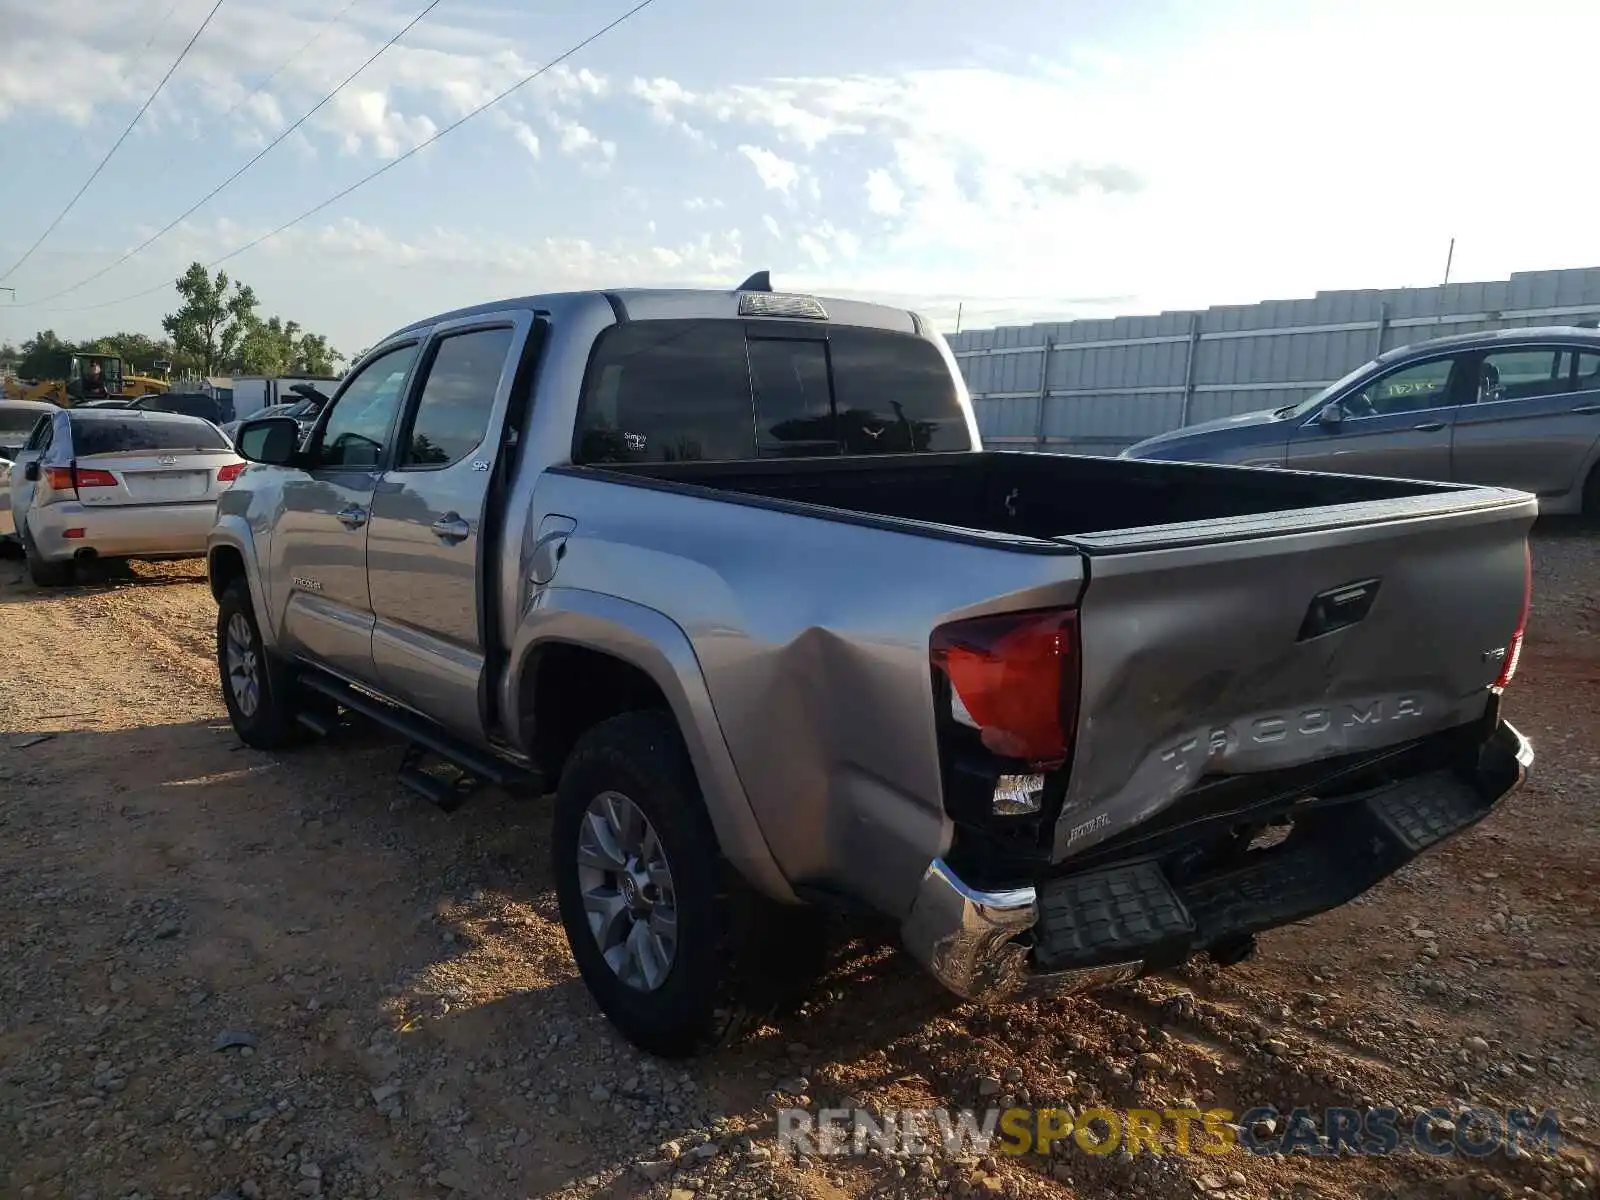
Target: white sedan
114, 483
6, 526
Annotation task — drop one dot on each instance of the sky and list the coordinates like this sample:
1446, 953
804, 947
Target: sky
1021, 160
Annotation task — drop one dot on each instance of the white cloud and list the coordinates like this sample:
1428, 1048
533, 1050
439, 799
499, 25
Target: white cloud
579, 139
364, 118
777, 174
438, 72
884, 195
771, 225
1153, 173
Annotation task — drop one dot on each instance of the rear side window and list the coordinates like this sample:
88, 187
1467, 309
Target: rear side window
452, 415
1588, 372
679, 391
127, 435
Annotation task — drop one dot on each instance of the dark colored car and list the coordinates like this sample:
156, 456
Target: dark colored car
1517, 408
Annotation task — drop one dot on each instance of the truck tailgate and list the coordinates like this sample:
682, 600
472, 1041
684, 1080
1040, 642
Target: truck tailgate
1257, 643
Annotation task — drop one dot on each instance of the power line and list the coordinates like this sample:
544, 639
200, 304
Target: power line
311, 41
95, 174
262, 153
388, 166
159, 26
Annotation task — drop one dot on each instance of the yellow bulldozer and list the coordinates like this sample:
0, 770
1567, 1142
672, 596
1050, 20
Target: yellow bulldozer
90, 377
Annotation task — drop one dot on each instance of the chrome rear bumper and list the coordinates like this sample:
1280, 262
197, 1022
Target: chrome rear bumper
967, 939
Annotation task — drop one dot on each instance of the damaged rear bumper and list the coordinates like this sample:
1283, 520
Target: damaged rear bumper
1119, 919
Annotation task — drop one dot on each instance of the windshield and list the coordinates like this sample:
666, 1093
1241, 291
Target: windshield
1310, 405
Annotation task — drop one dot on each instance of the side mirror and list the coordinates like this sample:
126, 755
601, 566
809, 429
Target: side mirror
274, 441
1332, 415
30, 472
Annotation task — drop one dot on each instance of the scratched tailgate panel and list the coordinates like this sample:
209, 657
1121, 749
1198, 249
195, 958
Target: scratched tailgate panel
1268, 651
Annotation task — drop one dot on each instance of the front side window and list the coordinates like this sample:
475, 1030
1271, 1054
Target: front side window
357, 431
1410, 389
457, 398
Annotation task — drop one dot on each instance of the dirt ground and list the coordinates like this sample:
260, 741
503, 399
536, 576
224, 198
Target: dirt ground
229, 974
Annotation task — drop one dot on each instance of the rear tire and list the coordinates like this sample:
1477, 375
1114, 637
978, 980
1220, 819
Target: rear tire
43, 572
717, 975
255, 687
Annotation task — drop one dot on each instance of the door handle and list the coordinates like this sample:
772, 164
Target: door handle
1429, 427
1587, 410
451, 527
353, 517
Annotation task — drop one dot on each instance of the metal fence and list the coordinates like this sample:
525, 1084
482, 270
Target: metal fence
1096, 386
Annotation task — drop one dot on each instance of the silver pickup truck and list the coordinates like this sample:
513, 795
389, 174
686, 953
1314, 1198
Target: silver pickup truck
731, 573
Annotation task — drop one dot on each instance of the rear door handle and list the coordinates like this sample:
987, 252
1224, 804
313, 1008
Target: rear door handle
1587, 409
1429, 427
451, 527
353, 517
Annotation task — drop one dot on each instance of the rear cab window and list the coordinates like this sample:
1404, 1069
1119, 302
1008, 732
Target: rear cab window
136, 434
723, 390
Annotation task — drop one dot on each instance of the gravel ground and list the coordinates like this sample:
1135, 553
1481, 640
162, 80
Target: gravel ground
229, 974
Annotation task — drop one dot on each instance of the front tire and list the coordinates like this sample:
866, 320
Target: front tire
253, 686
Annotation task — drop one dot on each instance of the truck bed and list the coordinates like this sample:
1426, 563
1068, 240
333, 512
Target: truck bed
1047, 496
1233, 621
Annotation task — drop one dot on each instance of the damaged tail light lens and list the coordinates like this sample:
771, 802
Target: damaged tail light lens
1015, 679
1514, 647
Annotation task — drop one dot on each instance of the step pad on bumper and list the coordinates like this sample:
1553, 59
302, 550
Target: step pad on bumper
1102, 913
1133, 911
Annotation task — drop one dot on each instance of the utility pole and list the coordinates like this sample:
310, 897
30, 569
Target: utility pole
959, 304
1448, 259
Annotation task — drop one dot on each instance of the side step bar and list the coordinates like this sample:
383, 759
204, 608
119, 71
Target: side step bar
465, 767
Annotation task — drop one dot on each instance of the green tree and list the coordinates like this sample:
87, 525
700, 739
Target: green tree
44, 356
212, 321
314, 356
279, 347
267, 347
137, 350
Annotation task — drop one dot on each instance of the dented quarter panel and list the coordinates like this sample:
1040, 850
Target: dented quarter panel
812, 635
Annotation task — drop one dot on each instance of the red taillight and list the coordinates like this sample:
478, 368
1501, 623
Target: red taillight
1514, 648
66, 479
1017, 677
229, 473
